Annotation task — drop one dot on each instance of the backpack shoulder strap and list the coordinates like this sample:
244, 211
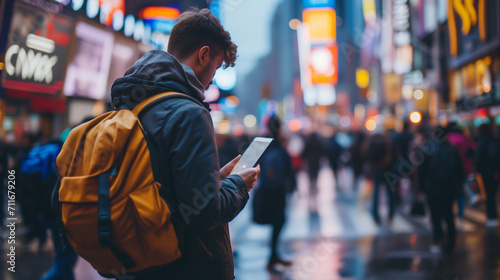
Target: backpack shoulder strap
150, 101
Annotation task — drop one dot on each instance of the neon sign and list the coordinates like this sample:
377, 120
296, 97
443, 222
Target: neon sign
469, 16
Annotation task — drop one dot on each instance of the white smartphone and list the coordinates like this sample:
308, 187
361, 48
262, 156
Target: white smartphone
253, 154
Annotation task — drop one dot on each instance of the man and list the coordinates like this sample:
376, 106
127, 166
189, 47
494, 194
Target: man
270, 198
379, 155
182, 133
445, 175
487, 163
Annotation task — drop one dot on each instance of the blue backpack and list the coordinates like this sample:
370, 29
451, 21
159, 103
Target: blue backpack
40, 160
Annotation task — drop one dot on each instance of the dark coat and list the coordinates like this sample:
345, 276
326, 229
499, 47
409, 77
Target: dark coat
275, 179
445, 173
182, 138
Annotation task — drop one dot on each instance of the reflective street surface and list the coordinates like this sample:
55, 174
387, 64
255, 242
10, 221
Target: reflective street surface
332, 237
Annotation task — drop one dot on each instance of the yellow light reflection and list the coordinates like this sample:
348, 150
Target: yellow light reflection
371, 124
223, 127
415, 117
294, 24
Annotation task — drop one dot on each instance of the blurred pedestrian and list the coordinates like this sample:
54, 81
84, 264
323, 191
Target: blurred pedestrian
65, 256
457, 139
334, 151
356, 154
417, 156
379, 155
314, 151
270, 196
445, 174
401, 148
487, 163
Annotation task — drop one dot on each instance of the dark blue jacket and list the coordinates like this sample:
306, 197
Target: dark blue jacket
182, 136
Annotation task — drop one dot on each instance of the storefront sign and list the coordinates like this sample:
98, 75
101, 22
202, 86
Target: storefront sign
473, 28
37, 50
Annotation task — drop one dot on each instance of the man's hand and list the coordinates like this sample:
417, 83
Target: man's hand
226, 170
250, 176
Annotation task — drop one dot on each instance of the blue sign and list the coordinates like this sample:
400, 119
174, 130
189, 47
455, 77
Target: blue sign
164, 26
318, 4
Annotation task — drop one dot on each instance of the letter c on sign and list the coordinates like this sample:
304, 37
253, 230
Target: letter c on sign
9, 67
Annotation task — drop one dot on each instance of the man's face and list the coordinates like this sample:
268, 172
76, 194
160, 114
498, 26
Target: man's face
206, 76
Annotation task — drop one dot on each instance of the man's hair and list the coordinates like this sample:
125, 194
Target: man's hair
198, 28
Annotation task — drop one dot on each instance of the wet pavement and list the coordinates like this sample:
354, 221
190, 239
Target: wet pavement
338, 240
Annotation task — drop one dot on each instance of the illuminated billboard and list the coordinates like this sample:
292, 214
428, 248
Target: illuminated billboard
87, 73
321, 23
37, 50
324, 62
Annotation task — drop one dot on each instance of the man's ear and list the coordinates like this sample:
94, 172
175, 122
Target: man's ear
204, 56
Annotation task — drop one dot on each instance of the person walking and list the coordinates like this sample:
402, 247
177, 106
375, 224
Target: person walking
487, 163
445, 176
379, 156
277, 178
457, 139
334, 151
312, 154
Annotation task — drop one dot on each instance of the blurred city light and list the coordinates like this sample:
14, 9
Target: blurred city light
345, 121
212, 94
418, 94
128, 29
250, 120
321, 22
223, 127
407, 92
294, 24
371, 124
1, 65
359, 113
153, 12
362, 78
369, 11
415, 117
238, 129
326, 95
225, 79
324, 64
295, 125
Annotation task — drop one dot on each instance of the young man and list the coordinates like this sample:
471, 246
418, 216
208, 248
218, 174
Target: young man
445, 175
182, 133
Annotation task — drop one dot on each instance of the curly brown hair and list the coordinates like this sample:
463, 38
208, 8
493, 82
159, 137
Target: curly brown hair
197, 28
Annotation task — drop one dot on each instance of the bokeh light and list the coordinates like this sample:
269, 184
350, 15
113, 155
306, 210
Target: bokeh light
295, 125
371, 124
223, 127
238, 129
418, 94
250, 120
294, 24
415, 117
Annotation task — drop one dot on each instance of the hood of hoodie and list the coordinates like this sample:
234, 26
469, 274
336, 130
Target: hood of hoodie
156, 72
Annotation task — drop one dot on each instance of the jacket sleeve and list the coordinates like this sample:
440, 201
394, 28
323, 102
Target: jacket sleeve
204, 201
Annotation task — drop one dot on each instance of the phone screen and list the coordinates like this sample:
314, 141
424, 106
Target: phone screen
253, 153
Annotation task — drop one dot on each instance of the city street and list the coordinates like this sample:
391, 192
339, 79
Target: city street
341, 241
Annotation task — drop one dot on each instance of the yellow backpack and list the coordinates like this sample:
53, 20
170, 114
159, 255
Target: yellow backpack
109, 200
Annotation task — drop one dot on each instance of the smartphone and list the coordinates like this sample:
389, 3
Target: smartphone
253, 154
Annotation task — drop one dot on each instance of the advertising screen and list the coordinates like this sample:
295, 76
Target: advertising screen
125, 54
87, 73
37, 50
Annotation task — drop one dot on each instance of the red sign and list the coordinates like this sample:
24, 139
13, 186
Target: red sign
324, 64
37, 50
